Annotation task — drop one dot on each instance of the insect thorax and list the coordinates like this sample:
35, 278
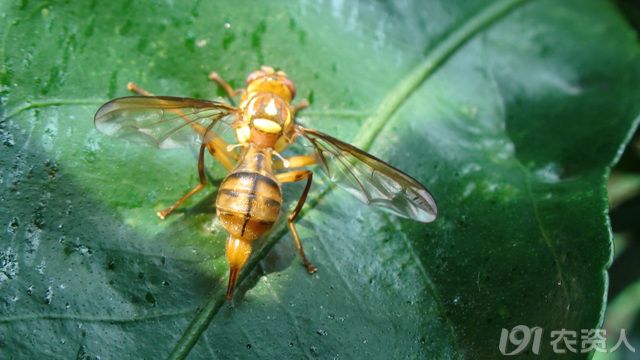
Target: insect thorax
266, 118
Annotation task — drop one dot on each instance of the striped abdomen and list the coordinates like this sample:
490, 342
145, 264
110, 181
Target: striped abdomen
248, 203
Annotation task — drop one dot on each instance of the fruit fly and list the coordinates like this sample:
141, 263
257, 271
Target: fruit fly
249, 198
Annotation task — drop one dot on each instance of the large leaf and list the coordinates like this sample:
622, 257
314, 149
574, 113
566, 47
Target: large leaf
511, 112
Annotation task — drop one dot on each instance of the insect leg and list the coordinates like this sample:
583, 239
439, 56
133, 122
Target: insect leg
218, 149
300, 106
297, 161
231, 93
203, 181
133, 87
294, 176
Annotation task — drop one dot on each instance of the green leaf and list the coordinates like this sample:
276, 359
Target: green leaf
510, 112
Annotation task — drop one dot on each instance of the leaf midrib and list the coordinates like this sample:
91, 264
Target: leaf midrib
370, 130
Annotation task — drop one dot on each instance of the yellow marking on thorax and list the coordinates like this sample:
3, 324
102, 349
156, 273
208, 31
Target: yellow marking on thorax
271, 108
267, 125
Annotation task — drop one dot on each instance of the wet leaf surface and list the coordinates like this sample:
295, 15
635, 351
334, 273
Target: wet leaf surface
512, 126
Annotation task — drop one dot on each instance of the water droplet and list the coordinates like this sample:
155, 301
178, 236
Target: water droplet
40, 267
227, 39
32, 240
13, 225
50, 132
227, 25
256, 36
52, 168
470, 168
201, 43
38, 212
71, 248
6, 138
549, 173
69, 207
82, 353
9, 266
150, 299
48, 295
190, 41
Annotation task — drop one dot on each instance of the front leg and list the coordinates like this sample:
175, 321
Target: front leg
303, 104
231, 92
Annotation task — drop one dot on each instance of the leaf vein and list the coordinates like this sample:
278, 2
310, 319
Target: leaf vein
51, 102
96, 319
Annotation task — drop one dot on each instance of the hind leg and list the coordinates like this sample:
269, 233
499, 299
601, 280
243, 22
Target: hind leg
293, 176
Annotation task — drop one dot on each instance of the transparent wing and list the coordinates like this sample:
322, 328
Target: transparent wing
370, 179
164, 121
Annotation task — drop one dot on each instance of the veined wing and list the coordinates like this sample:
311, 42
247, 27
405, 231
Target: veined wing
164, 121
370, 179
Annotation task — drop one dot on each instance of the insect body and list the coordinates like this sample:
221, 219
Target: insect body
249, 198
247, 205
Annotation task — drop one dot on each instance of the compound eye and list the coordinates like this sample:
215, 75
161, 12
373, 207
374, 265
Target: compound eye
267, 70
255, 75
291, 87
